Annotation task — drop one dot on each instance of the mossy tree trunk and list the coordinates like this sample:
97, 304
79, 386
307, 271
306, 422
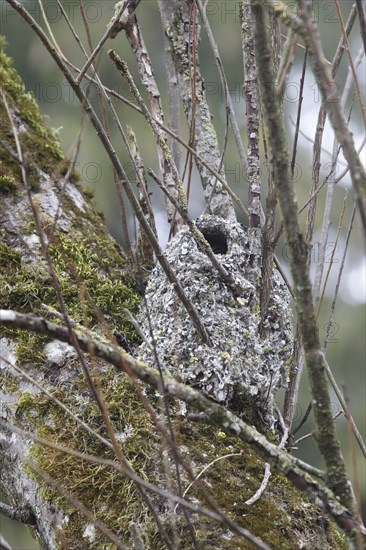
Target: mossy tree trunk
52, 242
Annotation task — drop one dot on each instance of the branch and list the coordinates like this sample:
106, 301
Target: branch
307, 29
167, 165
260, 249
362, 18
327, 440
178, 30
121, 8
23, 515
210, 412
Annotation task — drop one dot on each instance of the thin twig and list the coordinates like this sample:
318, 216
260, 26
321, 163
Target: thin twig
173, 101
144, 246
267, 467
312, 434
346, 170
352, 65
346, 410
298, 118
330, 265
102, 41
223, 457
288, 54
48, 26
362, 19
311, 140
304, 418
339, 278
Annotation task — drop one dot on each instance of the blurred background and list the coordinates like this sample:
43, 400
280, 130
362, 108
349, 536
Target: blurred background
346, 350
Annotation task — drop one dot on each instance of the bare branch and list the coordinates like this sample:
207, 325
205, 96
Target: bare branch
169, 172
177, 28
121, 8
308, 30
362, 18
352, 65
327, 439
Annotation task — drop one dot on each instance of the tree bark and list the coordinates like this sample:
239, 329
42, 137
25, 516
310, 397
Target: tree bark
69, 500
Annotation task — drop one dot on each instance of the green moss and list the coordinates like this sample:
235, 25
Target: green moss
8, 383
93, 274
30, 347
92, 286
281, 517
7, 184
42, 148
89, 193
112, 496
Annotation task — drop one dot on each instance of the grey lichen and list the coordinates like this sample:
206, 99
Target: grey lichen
242, 366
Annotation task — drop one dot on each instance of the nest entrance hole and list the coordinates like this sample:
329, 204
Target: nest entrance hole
216, 239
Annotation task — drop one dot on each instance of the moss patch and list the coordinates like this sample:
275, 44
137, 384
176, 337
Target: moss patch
38, 142
281, 517
111, 496
94, 282
93, 289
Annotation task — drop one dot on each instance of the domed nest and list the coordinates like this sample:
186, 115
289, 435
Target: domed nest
241, 363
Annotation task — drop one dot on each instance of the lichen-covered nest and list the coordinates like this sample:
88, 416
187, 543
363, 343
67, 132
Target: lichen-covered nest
241, 363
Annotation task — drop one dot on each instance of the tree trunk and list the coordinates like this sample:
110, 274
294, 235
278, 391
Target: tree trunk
53, 241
